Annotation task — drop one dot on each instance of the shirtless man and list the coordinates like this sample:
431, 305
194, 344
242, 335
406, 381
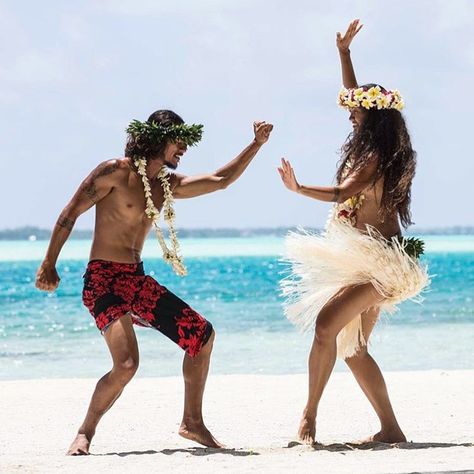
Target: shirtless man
118, 293
345, 275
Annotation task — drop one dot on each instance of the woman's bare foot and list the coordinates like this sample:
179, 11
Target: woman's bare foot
307, 431
80, 446
197, 431
390, 435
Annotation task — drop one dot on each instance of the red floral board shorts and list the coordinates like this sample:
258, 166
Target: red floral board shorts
113, 289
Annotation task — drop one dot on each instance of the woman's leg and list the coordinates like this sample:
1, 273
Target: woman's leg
338, 312
371, 381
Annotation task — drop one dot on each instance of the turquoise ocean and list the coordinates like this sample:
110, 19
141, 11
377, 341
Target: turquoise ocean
233, 282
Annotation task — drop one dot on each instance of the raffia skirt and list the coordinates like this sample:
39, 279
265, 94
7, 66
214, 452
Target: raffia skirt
323, 264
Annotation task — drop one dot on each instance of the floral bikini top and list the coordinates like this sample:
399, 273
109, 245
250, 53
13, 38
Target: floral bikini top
347, 211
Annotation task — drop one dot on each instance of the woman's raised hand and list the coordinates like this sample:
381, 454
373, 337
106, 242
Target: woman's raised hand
343, 42
288, 176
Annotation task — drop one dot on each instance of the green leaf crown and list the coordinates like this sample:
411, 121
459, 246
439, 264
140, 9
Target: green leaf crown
148, 134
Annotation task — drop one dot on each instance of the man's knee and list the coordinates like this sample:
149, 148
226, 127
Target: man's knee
126, 368
204, 354
206, 349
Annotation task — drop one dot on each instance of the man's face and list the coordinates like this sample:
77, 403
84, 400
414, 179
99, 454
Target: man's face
173, 153
357, 116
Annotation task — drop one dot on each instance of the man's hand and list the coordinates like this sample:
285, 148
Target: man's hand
343, 42
262, 132
47, 278
288, 176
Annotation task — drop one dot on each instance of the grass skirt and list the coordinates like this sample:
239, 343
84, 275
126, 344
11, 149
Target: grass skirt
342, 256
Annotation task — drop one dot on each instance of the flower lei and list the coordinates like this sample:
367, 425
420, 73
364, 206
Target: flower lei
370, 97
170, 256
145, 136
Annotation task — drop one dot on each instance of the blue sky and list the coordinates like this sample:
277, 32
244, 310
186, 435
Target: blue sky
73, 74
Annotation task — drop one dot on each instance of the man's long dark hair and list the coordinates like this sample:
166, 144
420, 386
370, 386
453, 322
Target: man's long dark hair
161, 117
384, 135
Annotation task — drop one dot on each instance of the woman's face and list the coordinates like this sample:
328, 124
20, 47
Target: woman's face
357, 116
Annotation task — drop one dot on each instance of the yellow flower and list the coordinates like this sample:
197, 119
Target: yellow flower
342, 97
399, 105
366, 104
396, 94
358, 93
373, 92
351, 103
383, 102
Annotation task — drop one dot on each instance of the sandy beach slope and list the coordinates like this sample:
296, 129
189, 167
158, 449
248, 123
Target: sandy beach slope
255, 415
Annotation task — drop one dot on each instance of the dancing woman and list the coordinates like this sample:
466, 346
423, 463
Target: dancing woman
360, 264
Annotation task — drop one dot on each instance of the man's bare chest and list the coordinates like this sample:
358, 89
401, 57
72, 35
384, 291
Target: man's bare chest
128, 201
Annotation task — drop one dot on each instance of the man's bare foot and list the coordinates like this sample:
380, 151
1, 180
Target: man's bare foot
80, 446
307, 431
197, 431
393, 435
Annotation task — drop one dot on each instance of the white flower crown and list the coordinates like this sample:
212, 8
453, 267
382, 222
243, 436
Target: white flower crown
370, 97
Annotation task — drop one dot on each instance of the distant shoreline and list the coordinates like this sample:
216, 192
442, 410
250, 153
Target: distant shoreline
36, 233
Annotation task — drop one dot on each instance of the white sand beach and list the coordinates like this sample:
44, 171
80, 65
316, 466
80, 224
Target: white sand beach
256, 416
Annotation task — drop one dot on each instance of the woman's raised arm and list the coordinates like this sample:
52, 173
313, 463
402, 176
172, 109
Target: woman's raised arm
343, 42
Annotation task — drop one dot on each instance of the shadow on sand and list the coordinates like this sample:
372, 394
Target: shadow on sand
193, 451
378, 446
334, 447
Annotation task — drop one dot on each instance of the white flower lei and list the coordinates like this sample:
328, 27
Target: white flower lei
170, 256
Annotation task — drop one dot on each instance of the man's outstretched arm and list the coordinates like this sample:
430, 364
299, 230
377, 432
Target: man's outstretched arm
192, 186
343, 42
95, 187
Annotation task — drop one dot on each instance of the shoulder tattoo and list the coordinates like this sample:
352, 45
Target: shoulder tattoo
90, 191
89, 187
107, 168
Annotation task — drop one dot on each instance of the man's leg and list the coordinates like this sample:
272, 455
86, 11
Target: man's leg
195, 370
122, 343
338, 312
371, 381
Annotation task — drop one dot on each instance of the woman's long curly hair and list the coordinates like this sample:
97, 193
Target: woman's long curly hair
136, 147
384, 135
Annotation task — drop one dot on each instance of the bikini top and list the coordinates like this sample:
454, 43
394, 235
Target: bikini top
347, 211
